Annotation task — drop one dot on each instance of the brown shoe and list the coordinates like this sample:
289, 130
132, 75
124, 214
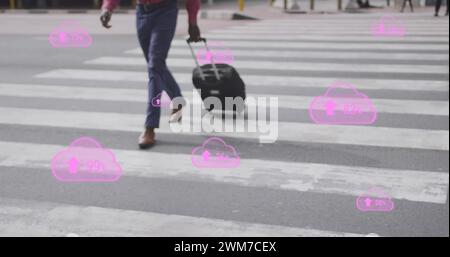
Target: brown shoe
147, 138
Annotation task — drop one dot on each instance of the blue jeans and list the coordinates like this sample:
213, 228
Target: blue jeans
156, 29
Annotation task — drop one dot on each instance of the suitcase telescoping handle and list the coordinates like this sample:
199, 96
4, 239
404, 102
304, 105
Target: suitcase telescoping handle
202, 75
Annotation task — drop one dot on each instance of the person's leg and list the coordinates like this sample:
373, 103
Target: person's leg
446, 12
159, 75
144, 29
437, 6
360, 3
161, 41
411, 5
403, 6
145, 25
167, 28
145, 22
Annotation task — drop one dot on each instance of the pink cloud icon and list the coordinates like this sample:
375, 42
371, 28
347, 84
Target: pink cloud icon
388, 26
342, 104
215, 153
161, 100
215, 43
375, 200
69, 34
219, 54
85, 160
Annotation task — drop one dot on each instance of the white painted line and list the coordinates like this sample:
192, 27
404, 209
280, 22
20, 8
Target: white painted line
355, 19
283, 66
326, 46
140, 95
237, 54
287, 131
67, 92
382, 105
420, 186
332, 32
257, 80
31, 218
350, 23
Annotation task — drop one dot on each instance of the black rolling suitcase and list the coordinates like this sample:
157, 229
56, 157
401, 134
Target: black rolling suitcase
218, 80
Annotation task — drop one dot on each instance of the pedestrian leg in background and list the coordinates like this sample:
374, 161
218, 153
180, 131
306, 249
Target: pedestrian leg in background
446, 12
437, 7
160, 42
404, 5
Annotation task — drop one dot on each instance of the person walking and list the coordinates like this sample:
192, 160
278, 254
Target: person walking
156, 23
404, 5
438, 6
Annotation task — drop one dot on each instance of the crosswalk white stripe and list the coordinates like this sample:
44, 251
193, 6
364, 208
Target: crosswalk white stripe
353, 23
283, 66
419, 186
259, 80
319, 55
312, 31
350, 25
326, 46
359, 23
241, 35
357, 17
366, 26
31, 218
140, 95
342, 25
382, 105
288, 131
363, 28
352, 19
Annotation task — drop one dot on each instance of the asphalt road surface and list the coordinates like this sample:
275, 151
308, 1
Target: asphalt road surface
306, 183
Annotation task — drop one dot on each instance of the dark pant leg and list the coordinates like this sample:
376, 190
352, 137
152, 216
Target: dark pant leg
156, 29
437, 6
144, 25
161, 40
403, 5
144, 29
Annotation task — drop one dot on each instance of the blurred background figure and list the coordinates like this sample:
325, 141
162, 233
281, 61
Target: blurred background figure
362, 4
438, 6
365, 4
404, 5
156, 25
